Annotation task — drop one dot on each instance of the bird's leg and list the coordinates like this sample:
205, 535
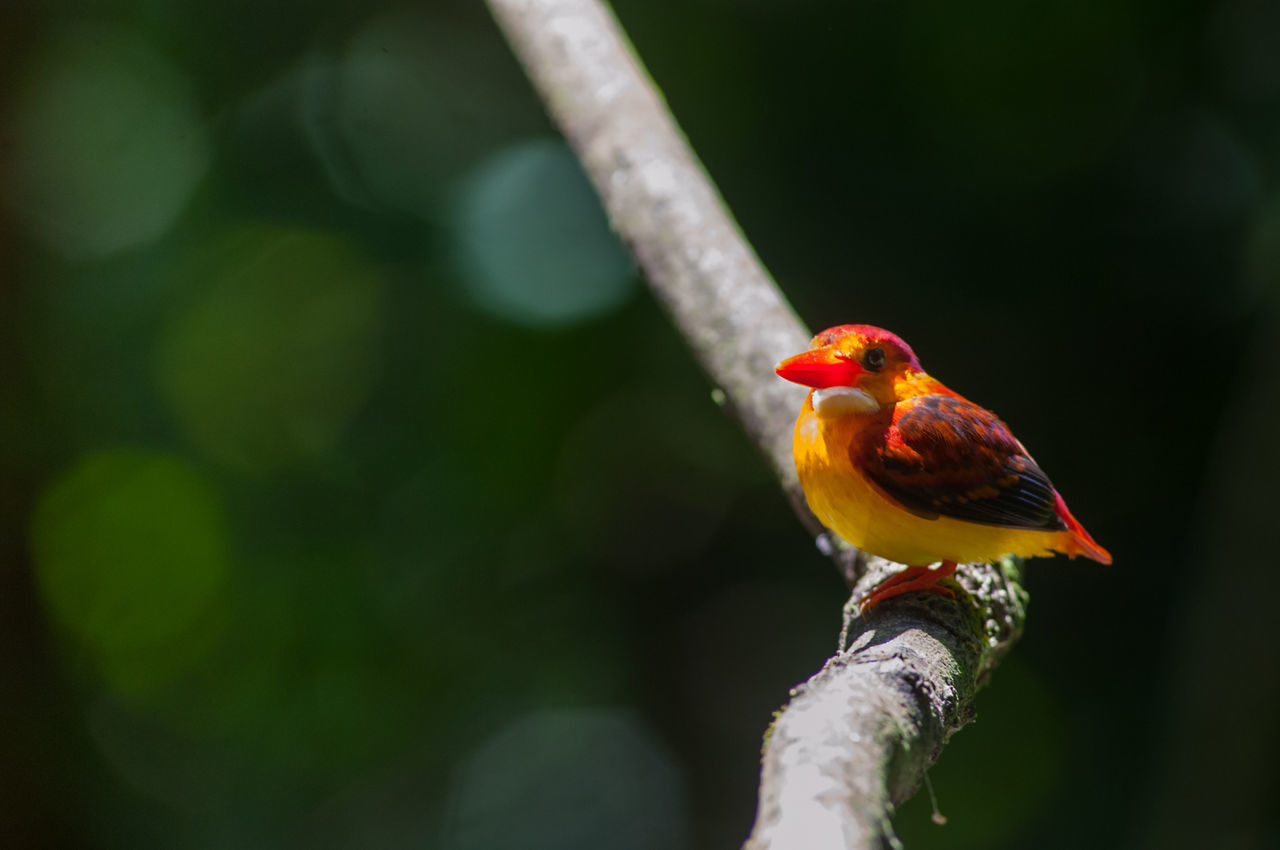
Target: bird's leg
912, 578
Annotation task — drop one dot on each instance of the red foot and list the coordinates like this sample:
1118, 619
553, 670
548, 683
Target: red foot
910, 579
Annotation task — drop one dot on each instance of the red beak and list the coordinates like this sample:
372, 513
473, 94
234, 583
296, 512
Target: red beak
819, 369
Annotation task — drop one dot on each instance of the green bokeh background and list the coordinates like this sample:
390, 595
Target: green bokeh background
357, 494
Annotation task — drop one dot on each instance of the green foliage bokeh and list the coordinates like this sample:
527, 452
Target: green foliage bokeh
355, 492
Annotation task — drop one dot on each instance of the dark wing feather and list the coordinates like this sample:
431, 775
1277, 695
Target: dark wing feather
943, 455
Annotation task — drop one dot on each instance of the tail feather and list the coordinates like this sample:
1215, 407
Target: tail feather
1077, 541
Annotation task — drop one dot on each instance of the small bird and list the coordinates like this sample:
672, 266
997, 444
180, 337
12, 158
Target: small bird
904, 468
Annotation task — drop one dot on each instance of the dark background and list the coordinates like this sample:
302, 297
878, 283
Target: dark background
357, 494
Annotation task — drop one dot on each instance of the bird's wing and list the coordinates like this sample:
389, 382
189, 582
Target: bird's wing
945, 456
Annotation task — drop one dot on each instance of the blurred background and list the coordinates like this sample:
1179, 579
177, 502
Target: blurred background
357, 494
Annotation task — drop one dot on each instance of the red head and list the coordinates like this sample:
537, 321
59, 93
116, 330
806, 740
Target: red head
862, 356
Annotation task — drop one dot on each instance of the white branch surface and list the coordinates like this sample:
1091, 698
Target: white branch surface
855, 739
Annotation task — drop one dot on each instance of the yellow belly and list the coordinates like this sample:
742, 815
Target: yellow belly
848, 504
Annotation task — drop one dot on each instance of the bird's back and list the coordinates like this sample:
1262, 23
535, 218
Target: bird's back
917, 492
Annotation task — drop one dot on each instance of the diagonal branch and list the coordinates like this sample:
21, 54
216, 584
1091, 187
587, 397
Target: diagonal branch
856, 738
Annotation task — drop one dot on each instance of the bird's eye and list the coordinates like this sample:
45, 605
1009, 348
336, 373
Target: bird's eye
873, 359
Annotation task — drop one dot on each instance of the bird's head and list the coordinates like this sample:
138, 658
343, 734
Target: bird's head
853, 369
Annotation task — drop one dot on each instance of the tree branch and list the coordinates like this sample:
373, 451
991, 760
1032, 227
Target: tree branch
856, 738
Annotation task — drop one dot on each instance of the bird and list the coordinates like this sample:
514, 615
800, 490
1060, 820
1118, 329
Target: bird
902, 467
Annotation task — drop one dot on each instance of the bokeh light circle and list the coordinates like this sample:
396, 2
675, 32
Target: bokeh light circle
534, 246
130, 550
573, 778
267, 364
107, 140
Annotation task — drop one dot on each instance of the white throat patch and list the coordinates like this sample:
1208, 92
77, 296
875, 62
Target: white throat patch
842, 401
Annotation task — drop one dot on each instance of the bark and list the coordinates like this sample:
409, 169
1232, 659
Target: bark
855, 739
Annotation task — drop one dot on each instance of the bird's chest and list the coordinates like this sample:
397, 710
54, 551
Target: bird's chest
826, 455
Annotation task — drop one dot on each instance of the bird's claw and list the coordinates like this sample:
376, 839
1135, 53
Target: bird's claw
909, 580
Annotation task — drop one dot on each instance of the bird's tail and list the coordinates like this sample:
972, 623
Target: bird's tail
1077, 541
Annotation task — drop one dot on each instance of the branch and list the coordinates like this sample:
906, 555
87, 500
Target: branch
856, 738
